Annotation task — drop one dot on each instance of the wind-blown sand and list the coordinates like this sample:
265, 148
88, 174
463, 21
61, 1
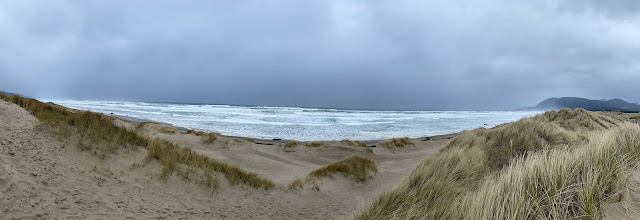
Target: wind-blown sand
45, 178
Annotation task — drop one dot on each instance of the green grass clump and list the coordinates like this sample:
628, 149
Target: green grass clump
190, 131
560, 164
314, 144
394, 143
354, 143
171, 155
357, 167
167, 130
251, 140
291, 144
210, 137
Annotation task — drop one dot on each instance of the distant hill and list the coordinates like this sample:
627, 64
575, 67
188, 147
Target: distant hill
588, 104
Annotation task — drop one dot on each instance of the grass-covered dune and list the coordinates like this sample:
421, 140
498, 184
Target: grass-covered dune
98, 133
557, 165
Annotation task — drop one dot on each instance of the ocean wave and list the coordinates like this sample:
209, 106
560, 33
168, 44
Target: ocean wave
301, 123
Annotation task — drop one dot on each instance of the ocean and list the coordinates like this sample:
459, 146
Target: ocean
304, 124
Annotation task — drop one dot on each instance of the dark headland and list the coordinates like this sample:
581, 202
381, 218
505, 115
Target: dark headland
588, 104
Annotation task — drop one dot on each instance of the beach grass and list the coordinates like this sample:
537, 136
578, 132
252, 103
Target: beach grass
395, 143
354, 143
291, 144
167, 130
357, 167
172, 155
296, 184
141, 125
560, 164
314, 144
210, 137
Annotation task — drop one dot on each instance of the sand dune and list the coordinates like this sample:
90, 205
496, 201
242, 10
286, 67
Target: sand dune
44, 177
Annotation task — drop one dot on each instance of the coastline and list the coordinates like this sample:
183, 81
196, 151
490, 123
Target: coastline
183, 130
301, 124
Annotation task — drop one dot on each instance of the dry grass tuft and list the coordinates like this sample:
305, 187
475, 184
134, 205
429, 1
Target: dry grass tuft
315, 144
394, 143
210, 137
167, 130
296, 184
171, 155
251, 140
145, 123
560, 164
357, 167
291, 144
190, 131
354, 143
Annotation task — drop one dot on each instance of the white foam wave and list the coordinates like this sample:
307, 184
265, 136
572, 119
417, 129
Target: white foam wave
301, 123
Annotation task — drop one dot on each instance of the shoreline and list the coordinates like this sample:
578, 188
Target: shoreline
304, 124
272, 140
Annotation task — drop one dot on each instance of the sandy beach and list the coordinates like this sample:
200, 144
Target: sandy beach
61, 163
44, 177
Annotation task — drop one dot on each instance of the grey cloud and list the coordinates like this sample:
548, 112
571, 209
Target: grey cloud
622, 9
486, 54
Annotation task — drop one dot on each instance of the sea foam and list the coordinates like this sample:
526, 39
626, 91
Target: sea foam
302, 123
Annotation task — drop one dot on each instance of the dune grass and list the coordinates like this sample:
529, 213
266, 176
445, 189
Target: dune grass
356, 167
171, 155
167, 130
314, 144
196, 133
210, 137
105, 137
560, 164
395, 143
296, 184
354, 143
141, 125
359, 168
558, 183
291, 144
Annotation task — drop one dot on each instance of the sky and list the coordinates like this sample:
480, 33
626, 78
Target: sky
427, 55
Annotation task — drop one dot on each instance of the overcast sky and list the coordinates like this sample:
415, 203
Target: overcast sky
441, 55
